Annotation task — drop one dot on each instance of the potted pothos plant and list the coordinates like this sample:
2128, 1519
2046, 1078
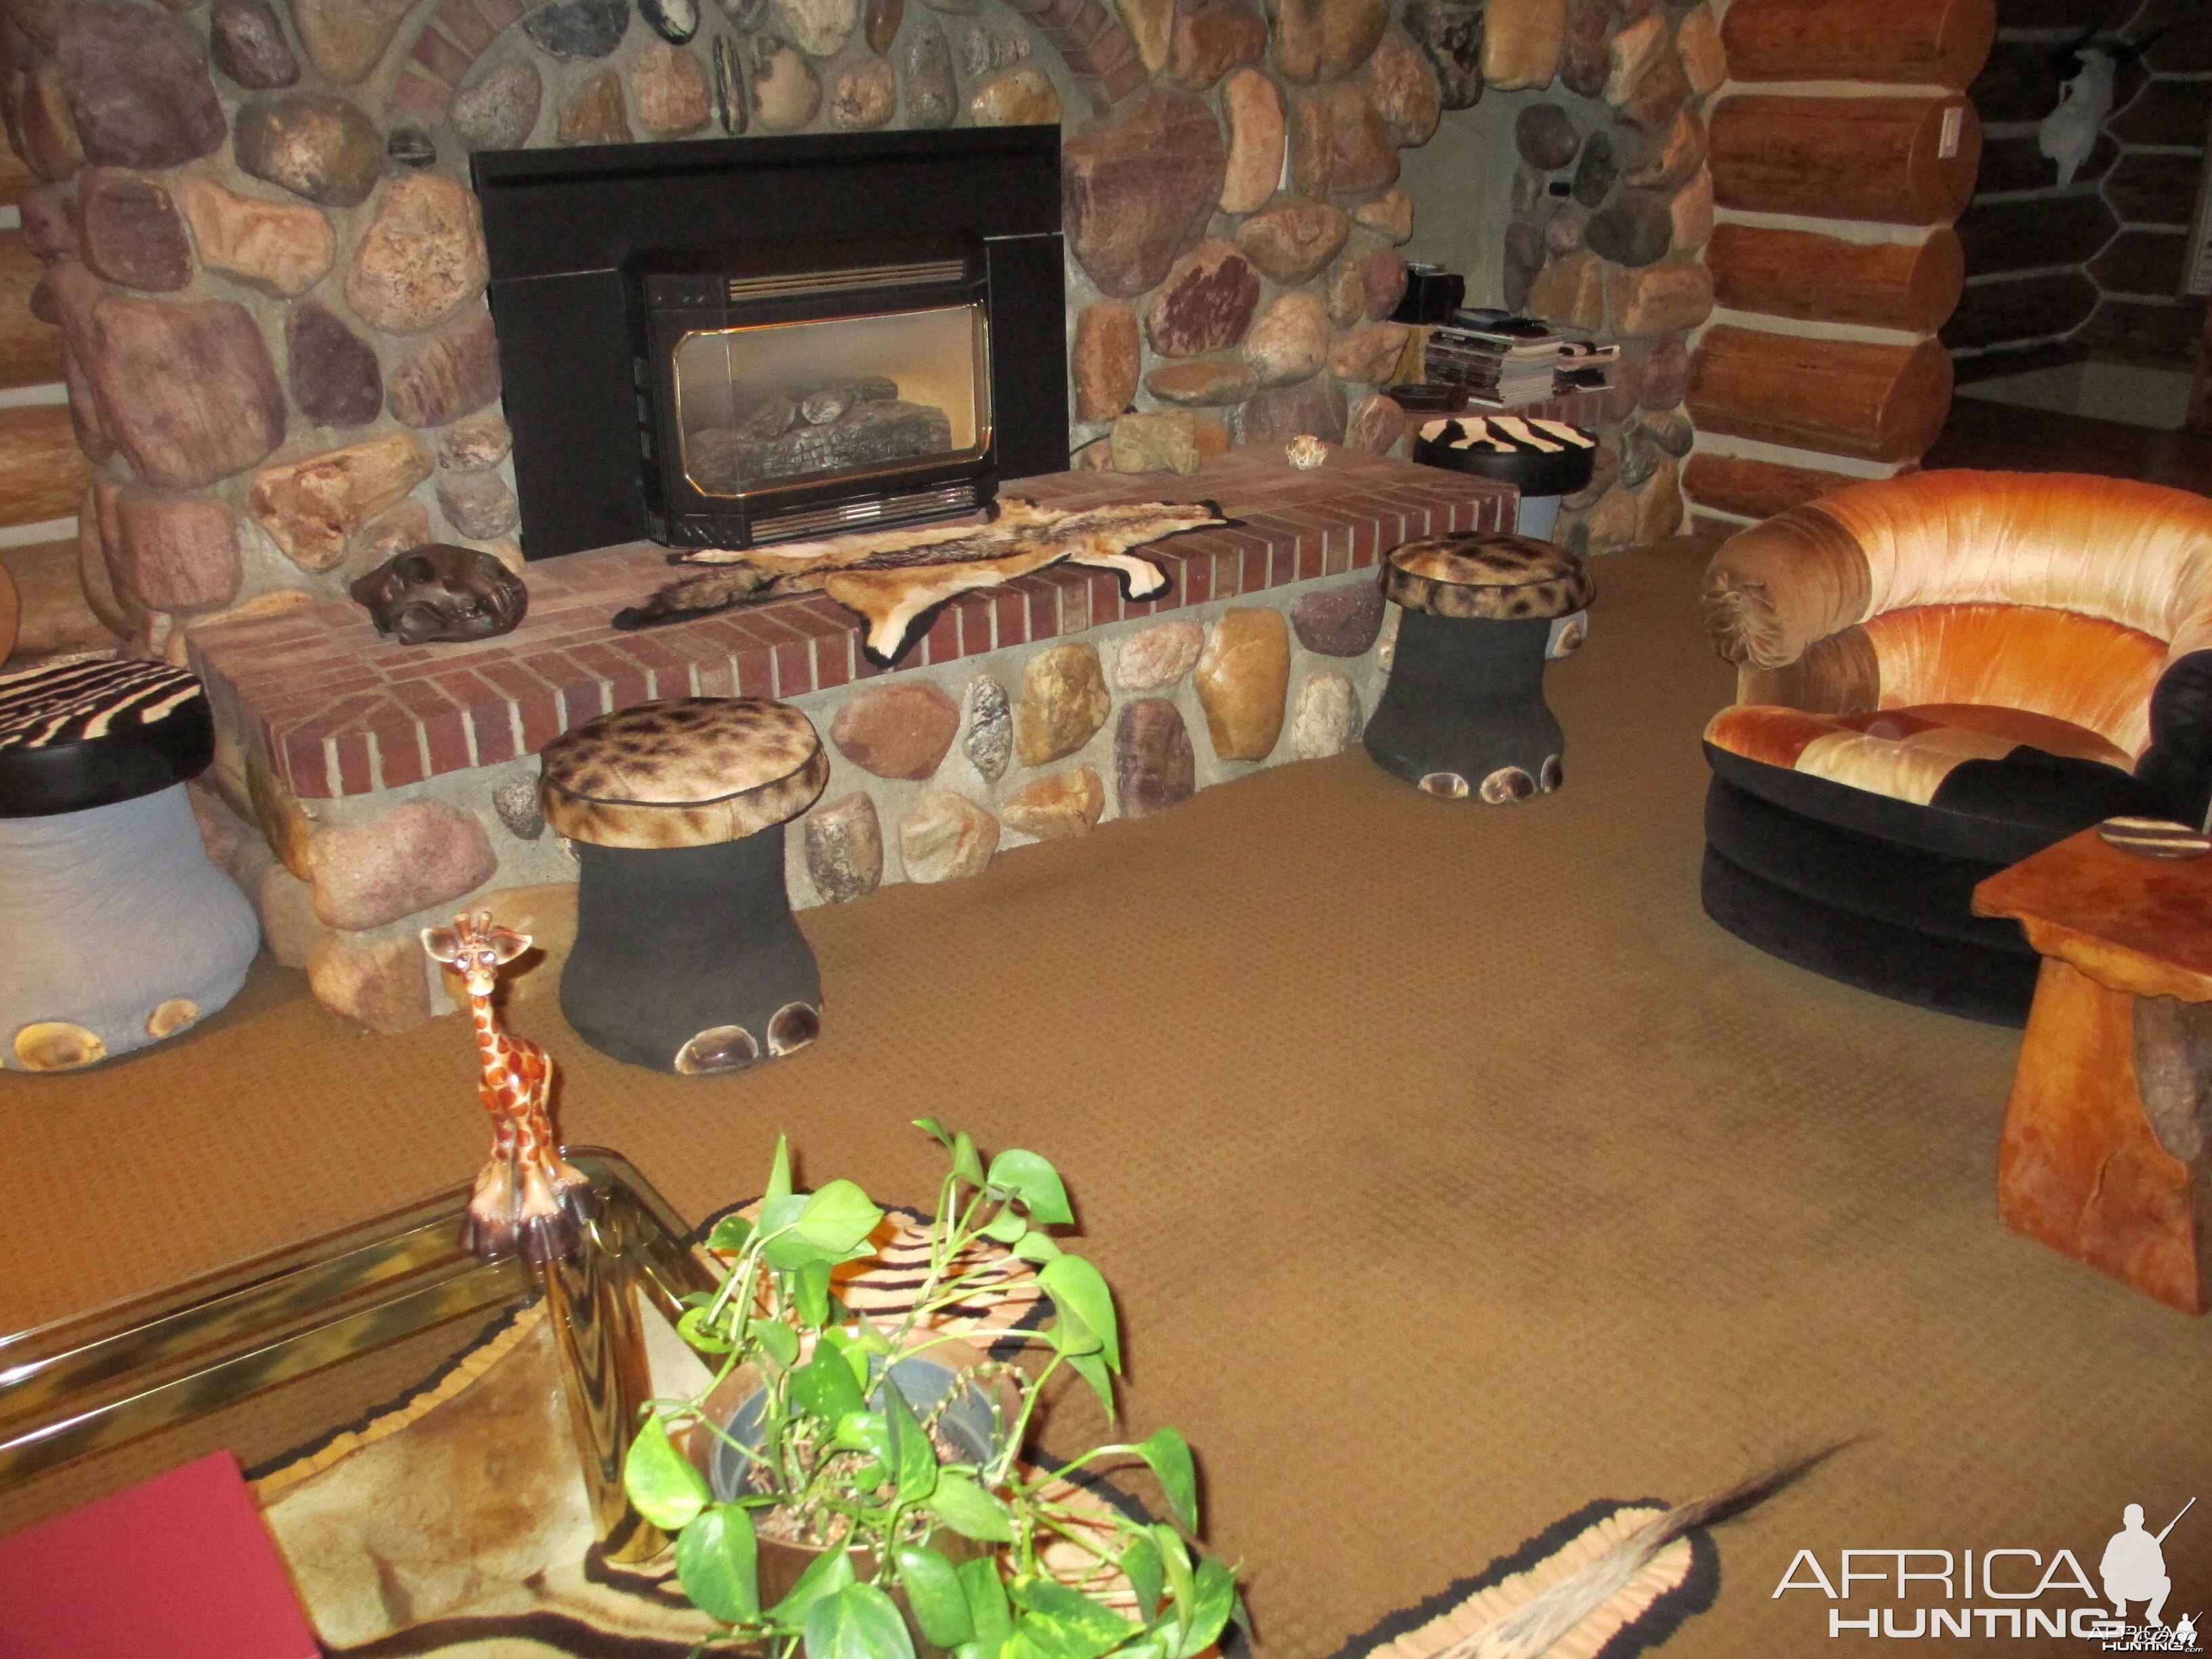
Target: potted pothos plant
860, 1489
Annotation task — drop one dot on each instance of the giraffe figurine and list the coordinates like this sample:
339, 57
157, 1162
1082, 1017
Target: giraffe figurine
527, 1191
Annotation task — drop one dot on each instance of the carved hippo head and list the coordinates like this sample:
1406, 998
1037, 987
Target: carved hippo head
440, 591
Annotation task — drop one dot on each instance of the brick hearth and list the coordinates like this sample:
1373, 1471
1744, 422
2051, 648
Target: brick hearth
339, 711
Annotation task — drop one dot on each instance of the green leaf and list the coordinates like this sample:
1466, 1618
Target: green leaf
1175, 1561
987, 1600
779, 1174
832, 1572
1036, 1182
1066, 1623
1007, 1226
913, 1459
729, 1233
1169, 1454
830, 1225
824, 1388
967, 1162
936, 1131
1077, 1287
1211, 1607
850, 1347
660, 1480
778, 1218
838, 1218
811, 1289
718, 1563
866, 1431
691, 1325
1140, 1565
933, 1592
1071, 1336
965, 1507
857, 1622
1034, 1246
1092, 1370
778, 1341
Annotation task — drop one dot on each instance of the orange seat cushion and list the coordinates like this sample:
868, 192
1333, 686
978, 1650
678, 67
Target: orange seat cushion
1902, 753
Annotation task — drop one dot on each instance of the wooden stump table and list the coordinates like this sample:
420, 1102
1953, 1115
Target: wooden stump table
2106, 1137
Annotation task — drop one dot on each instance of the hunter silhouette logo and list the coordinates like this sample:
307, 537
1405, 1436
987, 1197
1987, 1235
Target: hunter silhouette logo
2134, 1570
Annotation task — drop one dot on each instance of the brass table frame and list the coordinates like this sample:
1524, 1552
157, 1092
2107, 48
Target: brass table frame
95, 1380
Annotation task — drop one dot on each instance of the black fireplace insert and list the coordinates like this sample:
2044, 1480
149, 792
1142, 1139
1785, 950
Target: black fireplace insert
732, 341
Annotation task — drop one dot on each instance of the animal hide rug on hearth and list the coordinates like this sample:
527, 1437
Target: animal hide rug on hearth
895, 579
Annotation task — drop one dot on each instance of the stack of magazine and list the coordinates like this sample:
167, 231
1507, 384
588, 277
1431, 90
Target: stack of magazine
1499, 358
1585, 365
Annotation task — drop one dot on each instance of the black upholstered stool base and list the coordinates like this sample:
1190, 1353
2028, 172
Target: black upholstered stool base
687, 959
1464, 713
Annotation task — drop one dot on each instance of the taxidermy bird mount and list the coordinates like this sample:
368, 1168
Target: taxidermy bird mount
2087, 73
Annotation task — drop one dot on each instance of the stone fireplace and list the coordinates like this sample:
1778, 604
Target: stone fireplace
276, 283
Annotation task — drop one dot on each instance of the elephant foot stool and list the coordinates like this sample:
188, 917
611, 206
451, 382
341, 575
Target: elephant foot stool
1464, 712
687, 959
115, 928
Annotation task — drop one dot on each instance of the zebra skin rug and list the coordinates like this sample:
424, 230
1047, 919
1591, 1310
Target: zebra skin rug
452, 1524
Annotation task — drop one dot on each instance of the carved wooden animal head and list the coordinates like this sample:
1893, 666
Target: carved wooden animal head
439, 592
475, 948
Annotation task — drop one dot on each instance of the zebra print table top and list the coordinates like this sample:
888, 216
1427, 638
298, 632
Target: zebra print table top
82, 734
75, 703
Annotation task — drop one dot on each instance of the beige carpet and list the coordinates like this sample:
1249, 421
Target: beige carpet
1454, 1171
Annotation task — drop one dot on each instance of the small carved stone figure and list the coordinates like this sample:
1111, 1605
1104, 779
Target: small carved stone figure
438, 591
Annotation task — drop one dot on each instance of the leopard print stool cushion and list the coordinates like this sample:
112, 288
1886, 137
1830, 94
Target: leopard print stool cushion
1486, 574
685, 772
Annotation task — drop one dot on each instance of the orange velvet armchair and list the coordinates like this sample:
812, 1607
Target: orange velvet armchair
1937, 675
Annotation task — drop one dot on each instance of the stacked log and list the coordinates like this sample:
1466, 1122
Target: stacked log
43, 610
1843, 149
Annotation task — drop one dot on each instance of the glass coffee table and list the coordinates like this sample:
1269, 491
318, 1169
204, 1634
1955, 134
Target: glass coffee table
265, 1354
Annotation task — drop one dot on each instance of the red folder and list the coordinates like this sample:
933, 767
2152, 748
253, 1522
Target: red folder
179, 1566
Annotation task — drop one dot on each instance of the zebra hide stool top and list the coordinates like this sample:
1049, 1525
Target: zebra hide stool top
1537, 457
83, 734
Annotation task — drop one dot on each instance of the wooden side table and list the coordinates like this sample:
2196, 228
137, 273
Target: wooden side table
2107, 1148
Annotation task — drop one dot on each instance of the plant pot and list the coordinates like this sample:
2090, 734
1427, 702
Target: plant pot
924, 1379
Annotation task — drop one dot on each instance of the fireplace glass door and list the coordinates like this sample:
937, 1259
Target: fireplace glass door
832, 398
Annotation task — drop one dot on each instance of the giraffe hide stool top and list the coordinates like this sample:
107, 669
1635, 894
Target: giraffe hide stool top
687, 959
116, 930
1464, 713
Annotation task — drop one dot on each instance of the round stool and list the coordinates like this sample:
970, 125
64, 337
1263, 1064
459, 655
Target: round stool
1464, 712
115, 928
1543, 459
687, 959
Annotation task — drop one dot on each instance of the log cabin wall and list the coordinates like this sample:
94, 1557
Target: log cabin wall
2094, 267
43, 610
1843, 147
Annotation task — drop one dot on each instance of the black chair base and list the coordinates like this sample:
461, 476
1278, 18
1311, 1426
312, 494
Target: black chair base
1887, 918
